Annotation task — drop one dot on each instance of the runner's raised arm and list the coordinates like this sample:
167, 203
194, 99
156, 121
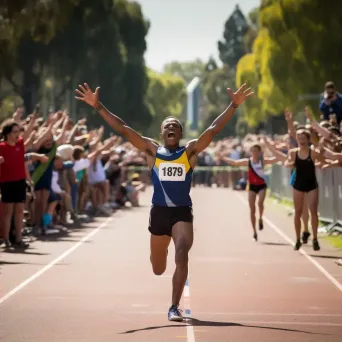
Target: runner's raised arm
120, 126
198, 145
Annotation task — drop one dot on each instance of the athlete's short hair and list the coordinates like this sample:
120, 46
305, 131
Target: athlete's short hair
173, 118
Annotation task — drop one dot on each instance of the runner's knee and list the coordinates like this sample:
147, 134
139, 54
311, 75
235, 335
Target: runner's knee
158, 270
158, 267
298, 213
181, 255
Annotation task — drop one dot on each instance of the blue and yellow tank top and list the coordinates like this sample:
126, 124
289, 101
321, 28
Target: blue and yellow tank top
171, 177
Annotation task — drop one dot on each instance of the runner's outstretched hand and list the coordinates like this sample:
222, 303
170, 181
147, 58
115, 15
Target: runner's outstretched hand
87, 95
240, 95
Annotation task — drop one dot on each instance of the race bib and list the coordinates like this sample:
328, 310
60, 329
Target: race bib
172, 172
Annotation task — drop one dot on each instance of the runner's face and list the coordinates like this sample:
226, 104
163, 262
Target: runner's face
302, 140
255, 152
15, 134
171, 132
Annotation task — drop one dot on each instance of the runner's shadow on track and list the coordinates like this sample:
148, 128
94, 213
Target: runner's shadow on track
199, 323
23, 251
275, 243
325, 256
64, 238
17, 263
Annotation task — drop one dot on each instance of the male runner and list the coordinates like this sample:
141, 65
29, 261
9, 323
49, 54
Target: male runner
172, 167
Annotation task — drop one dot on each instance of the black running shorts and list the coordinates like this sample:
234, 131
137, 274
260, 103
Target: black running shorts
14, 192
305, 186
162, 219
257, 188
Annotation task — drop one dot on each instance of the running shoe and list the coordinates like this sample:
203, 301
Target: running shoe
261, 224
174, 314
21, 244
315, 245
297, 245
305, 237
7, 243
255, 237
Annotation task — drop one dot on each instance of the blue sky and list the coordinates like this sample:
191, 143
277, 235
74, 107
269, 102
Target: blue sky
183, 30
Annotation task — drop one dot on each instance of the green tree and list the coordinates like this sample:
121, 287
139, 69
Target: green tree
311, 41
101, 42
24, 27
253, 28
186, 70
232, 48
211, 65
217, 98
246, 73
133, 30
165, 96
294, 53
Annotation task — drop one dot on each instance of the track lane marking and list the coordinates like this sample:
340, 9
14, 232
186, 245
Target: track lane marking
53, 262
302, 251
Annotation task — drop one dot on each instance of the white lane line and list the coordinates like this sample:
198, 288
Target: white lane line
53, 262
302, 251
186, 292
190, 334
205, 313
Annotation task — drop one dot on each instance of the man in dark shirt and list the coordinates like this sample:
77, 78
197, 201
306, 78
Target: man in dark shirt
331, 103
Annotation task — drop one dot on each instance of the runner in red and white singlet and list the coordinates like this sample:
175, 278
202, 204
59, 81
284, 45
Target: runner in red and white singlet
256, 181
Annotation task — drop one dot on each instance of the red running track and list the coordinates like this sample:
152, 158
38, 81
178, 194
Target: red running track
97, 285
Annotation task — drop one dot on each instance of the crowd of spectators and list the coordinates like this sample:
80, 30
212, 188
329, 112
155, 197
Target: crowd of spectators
54, 172
326, 135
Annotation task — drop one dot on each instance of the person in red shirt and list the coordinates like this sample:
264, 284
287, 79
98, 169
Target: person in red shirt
12, 181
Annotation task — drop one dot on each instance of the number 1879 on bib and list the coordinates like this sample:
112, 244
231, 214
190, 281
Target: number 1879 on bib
172, 172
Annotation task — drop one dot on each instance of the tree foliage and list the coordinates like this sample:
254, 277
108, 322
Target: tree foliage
67, 42
166, 96
232, 48
186, 70
215, 91
295, 52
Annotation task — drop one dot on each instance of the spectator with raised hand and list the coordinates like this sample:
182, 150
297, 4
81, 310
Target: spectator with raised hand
335, 157
331, 103
18, 114
281, 156
42, 175
97, 176
82, 162
291, 128
321, 129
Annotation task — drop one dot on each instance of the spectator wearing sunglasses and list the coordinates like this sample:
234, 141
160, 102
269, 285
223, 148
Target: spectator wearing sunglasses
331, 103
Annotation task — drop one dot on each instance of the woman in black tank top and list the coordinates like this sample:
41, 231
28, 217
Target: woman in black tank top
303, 180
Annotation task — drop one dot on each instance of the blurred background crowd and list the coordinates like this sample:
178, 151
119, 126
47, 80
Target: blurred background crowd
60, 166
